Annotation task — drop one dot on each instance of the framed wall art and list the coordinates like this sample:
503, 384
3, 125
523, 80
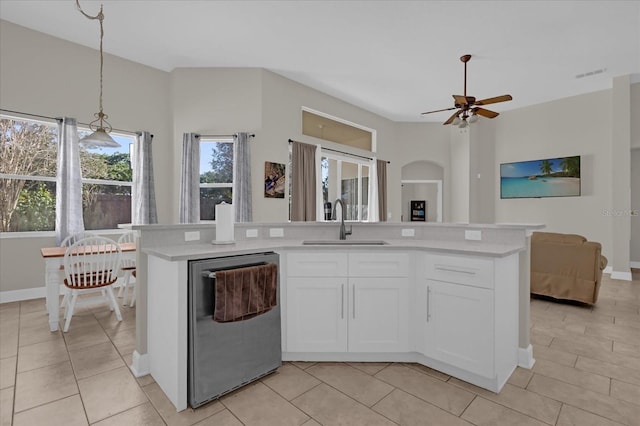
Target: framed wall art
274, 179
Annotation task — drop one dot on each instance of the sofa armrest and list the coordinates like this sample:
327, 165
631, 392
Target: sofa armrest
603, 262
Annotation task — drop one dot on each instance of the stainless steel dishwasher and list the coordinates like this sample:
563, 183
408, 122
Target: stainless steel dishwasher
225, 356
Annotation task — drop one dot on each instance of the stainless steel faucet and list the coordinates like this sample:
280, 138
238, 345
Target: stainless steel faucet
343, 231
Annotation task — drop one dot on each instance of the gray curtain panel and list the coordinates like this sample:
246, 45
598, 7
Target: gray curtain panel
382, 190
303, 182
144, 195
190, 179
242, 178
68, 181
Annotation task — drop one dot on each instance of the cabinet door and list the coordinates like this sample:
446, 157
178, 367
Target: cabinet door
459, 326
316, 314
378, 315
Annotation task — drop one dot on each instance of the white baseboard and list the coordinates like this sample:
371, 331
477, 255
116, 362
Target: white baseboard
140, 365
635, 265
621, 275
607, 270
525, 357
25, 294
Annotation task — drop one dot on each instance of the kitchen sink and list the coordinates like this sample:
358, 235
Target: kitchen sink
344, 243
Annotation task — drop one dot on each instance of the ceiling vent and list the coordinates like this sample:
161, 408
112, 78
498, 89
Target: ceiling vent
590, 73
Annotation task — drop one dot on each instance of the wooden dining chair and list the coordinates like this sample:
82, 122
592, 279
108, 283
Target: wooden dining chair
91, 265
128, 269
70, 240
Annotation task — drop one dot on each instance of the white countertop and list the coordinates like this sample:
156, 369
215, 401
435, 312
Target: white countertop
187, 251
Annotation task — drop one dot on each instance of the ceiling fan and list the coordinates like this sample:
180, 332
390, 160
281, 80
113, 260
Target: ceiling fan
468, 108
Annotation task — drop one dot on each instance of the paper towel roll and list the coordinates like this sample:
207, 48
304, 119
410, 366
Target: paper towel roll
224, 222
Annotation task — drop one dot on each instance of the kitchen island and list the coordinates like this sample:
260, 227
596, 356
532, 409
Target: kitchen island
407, 293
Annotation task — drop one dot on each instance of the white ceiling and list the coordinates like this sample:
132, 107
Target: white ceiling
394, 58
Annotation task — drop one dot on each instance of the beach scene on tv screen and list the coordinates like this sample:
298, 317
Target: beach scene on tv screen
552, 177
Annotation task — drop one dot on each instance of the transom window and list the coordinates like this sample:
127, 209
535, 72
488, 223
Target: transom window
216, 175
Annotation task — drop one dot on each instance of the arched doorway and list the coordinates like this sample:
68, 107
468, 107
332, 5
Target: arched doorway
422, 181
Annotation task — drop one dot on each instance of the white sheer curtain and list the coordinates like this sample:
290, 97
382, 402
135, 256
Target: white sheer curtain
242, 178
68, 181
190, 179
143, 197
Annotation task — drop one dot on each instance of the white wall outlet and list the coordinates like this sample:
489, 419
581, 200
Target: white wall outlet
192, 236
475, 235
408, 232
276, 232
252, 233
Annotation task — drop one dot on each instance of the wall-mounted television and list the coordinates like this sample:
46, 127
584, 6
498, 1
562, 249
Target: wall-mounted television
550, 177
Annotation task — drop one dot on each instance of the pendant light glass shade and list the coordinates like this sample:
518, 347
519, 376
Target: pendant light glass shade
99, 138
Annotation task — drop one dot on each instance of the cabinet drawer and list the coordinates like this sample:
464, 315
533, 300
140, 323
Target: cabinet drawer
467, 270
317, 264
378, 264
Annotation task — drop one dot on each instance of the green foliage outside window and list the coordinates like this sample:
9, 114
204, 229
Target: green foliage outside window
30, 149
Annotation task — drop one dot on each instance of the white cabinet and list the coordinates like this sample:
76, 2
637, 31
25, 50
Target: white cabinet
379, 315
347, 302
455, 313
316, 314
459, 326
379, 302
461, 303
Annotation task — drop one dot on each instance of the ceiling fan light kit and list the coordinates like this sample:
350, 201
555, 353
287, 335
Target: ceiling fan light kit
467, 107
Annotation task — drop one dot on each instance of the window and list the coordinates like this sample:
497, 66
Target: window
342, 175
347, 179
107, 178
28, 149
329, 128
216, 175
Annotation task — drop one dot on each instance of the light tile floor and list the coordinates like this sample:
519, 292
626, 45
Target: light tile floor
587, 373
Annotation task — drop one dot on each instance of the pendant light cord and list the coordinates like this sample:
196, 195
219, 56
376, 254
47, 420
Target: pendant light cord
101, 116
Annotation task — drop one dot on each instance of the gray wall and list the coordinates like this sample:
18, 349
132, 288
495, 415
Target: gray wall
43, 75
579, 125
47, 76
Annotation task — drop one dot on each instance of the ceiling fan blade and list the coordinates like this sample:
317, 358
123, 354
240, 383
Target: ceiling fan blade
494, 100
464, 100
460, 100
485, 112
450, 120
438, 110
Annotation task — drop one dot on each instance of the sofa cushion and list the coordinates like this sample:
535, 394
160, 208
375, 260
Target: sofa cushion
558, 238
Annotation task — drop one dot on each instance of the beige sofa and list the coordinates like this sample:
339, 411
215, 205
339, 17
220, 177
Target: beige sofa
566, 266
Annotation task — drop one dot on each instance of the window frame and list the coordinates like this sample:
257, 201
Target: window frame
341, 158
82, 129
40, 178
204, 185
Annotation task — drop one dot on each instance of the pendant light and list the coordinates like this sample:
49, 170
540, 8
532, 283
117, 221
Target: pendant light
100, 126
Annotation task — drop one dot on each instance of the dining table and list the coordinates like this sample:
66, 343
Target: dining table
54, 277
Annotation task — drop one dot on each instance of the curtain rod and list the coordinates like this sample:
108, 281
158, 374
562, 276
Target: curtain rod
54, 118
342, 152
251, 135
